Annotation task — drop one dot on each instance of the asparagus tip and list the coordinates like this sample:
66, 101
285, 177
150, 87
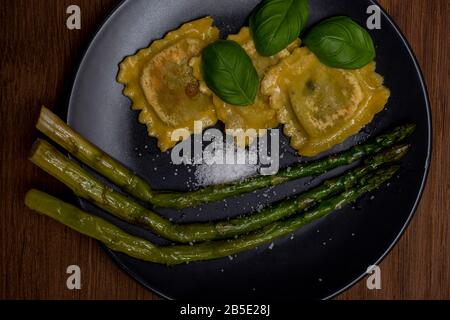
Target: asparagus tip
412, 125
390, 171
387, 173
410, 128
380, 176
400, 151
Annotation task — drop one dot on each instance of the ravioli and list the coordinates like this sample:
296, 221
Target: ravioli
160, 82
257, 116
322, 106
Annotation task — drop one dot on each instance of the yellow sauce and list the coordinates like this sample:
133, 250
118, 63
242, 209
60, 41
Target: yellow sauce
258, 115
322, 106
160, 83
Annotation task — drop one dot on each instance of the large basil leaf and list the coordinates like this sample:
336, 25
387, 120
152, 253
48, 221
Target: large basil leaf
229, 72
340, 42
276, 23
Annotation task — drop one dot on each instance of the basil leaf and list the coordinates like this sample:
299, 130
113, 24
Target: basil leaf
339, 42
276, 23
229, 72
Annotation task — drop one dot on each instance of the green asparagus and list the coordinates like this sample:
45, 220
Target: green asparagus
118, 240
86, 152
88, 187
57, 130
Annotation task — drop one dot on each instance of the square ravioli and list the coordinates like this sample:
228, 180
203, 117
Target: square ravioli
322, 106
258, 115
160, 82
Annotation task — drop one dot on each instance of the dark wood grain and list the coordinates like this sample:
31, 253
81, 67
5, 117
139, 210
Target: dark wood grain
38, 60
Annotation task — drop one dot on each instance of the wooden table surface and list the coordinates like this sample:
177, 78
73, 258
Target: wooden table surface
39, 56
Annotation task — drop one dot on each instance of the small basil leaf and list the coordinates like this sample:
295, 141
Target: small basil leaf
339, 42
229, 72
276, 23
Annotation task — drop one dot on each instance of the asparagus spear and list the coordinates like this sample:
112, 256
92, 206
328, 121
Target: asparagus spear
57, 130
86, 152
85, 185
330, 187
118, 240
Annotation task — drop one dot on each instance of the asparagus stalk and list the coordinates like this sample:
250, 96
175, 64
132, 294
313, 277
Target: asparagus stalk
86, 152
287, 208
57, 130
118, 240
88, 187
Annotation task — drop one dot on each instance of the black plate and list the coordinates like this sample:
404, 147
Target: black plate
322, 259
